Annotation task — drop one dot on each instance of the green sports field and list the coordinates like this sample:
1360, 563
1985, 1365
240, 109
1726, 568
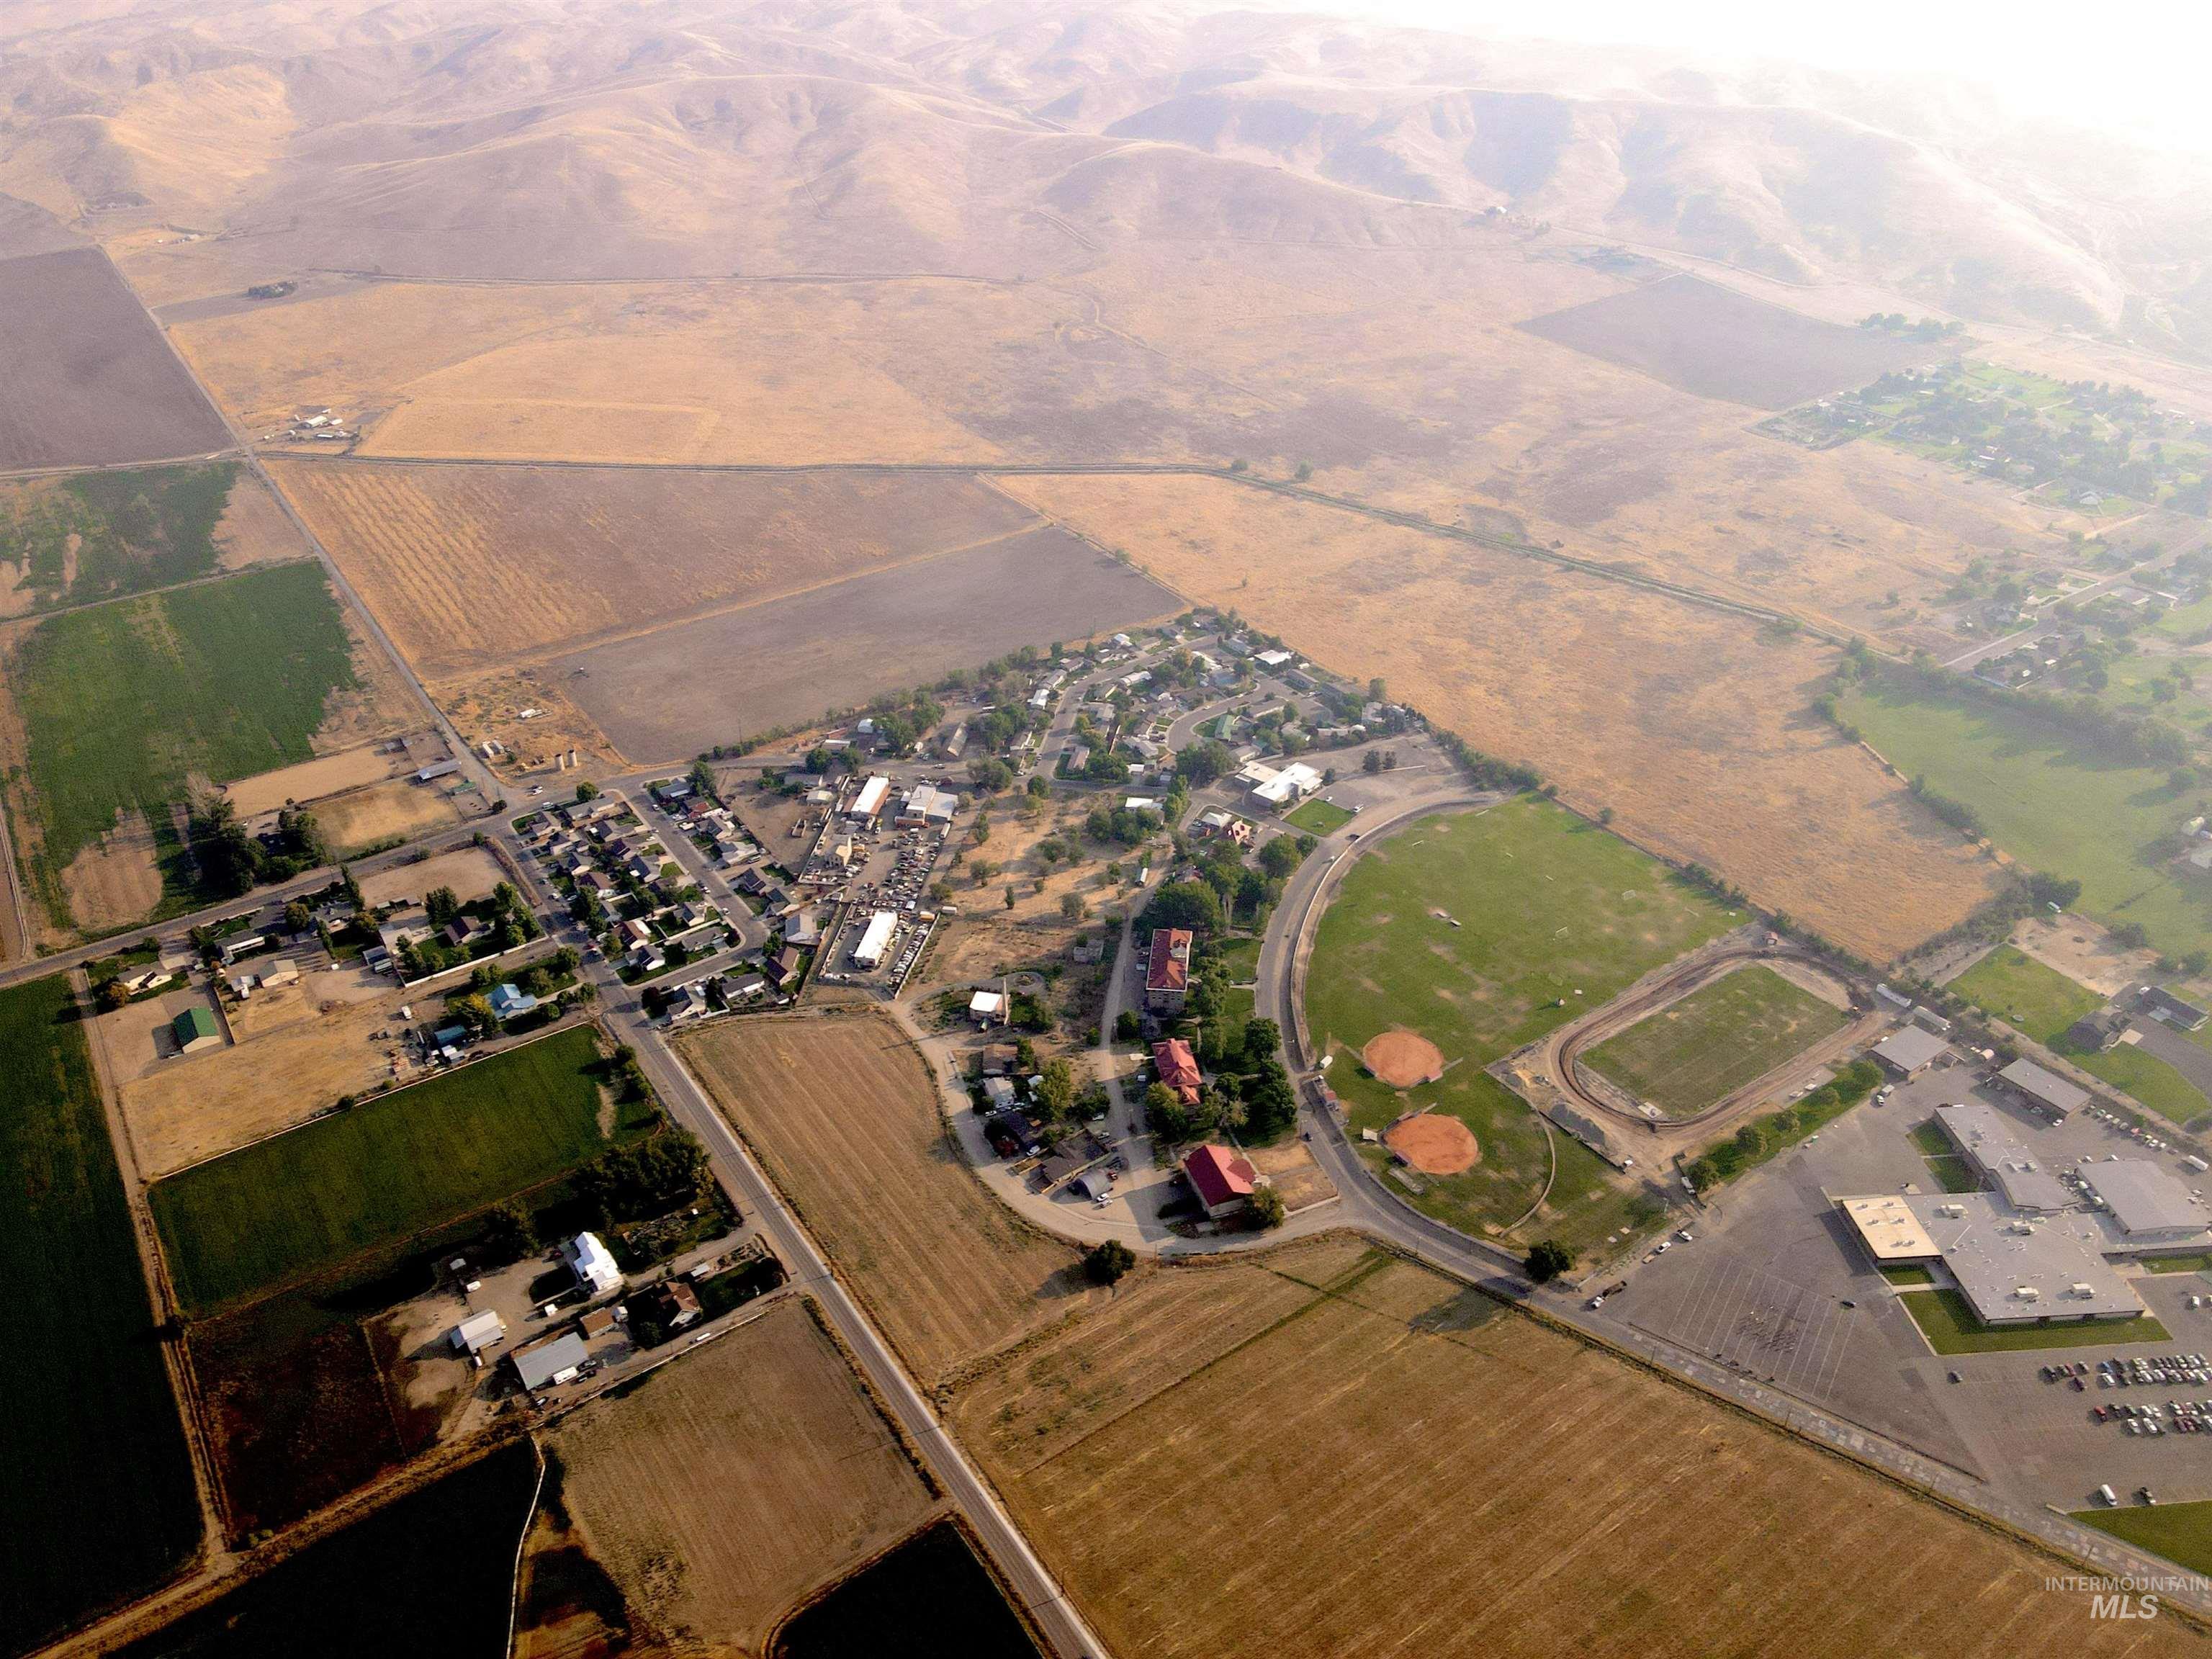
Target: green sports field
1556, 916
2051, 800
275, 1212
2042, 1002
1948, 1321
92, 1450
1685, 1057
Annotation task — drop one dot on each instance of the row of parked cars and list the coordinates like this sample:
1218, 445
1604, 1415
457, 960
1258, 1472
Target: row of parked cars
2181, 1416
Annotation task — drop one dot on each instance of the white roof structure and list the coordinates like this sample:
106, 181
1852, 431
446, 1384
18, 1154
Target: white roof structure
550, 1362
876, 941
927, 803
1293, 783
2145, 1200
870, 800
594, 1263
480, 1331
1889, 1228
2014, 1268
987, 1004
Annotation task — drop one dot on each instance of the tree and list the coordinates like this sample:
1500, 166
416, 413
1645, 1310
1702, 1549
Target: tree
1280, 856
1010, 895
1547, 1260
702, 780
440, 905
1170, 1118
298, 918
587, 791
990, 775
1187, 904
1201, 763
1265, 1206
1105, 1262
1371, 761
1073, 908
1376, 691
1127, 1026
509, 1234
983, 869
475, 1013
111, 994
1056, 1087
1038, 788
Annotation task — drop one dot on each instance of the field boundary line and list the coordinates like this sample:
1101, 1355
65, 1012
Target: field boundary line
522, 1542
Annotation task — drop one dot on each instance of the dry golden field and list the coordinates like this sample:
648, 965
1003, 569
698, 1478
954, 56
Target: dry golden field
737, 1479
310, 781
842, 1112
371, 817
1226, 1463
1695, 729
468, 567
471, 871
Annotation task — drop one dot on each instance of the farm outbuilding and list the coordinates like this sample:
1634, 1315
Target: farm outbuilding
555, 1360
194, 1029
876, 941
1908, 1052
479, 1331
1223, 1179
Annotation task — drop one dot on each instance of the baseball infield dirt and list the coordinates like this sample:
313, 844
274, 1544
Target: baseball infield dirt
1403, 1058
1433, 1143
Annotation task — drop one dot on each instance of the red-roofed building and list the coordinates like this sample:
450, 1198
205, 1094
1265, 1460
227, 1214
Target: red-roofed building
1222, 1179
1167, 970
1177, 1068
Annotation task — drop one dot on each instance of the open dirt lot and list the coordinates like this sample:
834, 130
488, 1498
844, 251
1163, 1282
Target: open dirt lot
842, 1112
834, 646
315, 1036
310, 781
468, 566
1716, 343
401, 809
737, 1479
1359, 1502
85, 378
470, 872
1694, 729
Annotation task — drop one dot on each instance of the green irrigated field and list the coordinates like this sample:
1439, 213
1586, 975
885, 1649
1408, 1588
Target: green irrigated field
1948, 1321
121, 703
2042, 1002
1556, 916
273, 1213
92, 1451
1716, 1039
102, 534
2053, 802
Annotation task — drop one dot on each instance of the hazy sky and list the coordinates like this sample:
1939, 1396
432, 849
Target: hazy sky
2139, 66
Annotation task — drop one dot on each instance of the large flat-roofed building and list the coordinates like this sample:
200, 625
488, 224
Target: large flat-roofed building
2044, 1090
1908, 1051
1997, 1155
876, 940
2148, 1205
2013, 1270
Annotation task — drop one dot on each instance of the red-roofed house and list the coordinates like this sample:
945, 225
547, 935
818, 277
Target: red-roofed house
1167, 970
1177, 1068
1222, 1179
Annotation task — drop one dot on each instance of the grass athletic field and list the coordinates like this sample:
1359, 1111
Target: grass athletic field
2050, 799
2042, 1002
100, 1486
1548, 906
1383, 1449
275, 1212
122, 704
1949, 1323
1716, 1039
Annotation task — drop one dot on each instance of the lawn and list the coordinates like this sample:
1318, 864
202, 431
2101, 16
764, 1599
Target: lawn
1951, 1171
1556, 917
1319, 818
2182, 1532
278, 1211
123, 704
2052, 801
1904, 1274
2042, 1002
1949, 1323
99, 1486
1719, 1038
2198, 1262
1237, 960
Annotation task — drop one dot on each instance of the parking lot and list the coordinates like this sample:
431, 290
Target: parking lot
1775, 1286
